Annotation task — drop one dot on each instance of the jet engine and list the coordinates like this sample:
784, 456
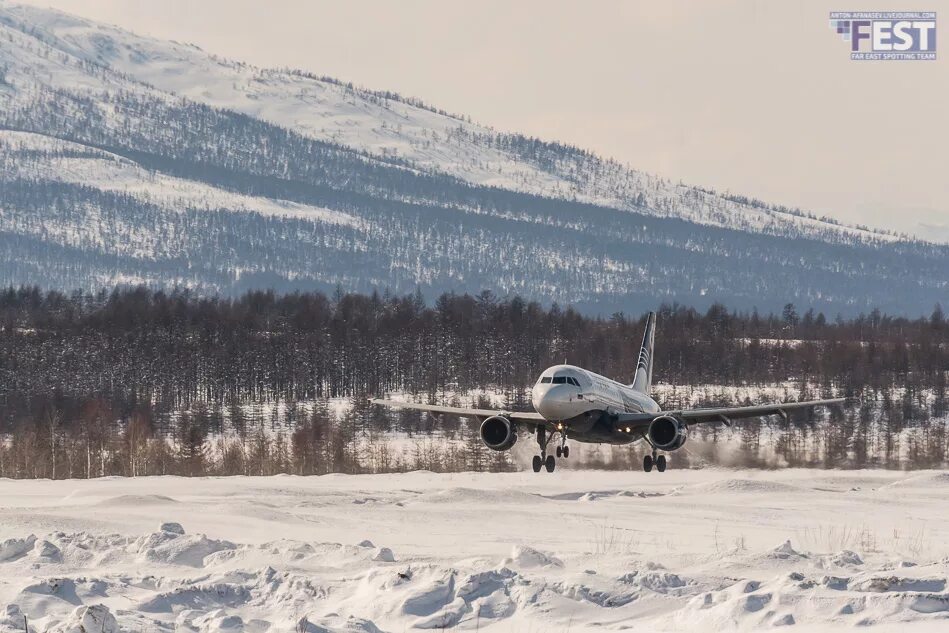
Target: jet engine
667, 433
498, 433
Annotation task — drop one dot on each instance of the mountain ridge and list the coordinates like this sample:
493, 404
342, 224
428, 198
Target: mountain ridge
170, 67
198, 194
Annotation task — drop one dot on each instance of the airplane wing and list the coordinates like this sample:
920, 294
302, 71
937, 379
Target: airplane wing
726, 415
689, 416
530, 418
723, 415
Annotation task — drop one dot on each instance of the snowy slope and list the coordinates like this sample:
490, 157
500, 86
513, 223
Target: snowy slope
82, 165
28, 157
392, 128
130, 160
710, 550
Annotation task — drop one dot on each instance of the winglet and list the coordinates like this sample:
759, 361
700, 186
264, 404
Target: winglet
642, 381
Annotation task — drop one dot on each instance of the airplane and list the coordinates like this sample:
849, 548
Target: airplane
580, 405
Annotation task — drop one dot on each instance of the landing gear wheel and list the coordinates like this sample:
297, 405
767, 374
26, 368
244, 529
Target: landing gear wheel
647, 463
559, 451
661, 463
538, 462
550, 463
566, 452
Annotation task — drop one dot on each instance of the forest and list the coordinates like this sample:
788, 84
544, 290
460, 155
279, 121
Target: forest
139, 381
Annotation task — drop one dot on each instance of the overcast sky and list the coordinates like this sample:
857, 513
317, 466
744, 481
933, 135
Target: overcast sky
753, 96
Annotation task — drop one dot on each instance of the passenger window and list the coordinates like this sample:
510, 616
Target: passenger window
545, 379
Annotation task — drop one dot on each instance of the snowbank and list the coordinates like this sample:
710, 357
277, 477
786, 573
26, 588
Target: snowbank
726, 551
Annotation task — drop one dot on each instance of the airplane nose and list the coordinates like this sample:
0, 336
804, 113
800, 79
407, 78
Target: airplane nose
552, 401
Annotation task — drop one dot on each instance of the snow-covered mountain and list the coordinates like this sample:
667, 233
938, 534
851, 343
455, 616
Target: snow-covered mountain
388, 126
129, 159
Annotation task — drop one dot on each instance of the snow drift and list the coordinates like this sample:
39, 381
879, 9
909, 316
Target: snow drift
696, 550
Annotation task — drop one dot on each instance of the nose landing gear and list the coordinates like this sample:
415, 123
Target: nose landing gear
563, 450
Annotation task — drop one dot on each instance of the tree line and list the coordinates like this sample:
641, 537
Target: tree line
138, 381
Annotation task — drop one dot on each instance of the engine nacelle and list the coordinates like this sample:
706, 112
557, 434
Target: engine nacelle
667, 433
498, 433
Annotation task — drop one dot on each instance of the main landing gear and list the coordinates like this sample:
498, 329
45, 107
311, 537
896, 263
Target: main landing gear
544, 460
659, 461
547, 462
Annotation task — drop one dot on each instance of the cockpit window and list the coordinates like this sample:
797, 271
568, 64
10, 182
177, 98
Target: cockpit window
573, 381
560, 380
545, 379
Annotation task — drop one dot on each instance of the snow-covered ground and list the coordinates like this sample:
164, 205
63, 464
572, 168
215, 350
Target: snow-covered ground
700, 550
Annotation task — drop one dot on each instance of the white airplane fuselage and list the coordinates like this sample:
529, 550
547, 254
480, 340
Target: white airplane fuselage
582, 401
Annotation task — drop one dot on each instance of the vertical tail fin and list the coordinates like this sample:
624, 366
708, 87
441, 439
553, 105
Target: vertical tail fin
642, 381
